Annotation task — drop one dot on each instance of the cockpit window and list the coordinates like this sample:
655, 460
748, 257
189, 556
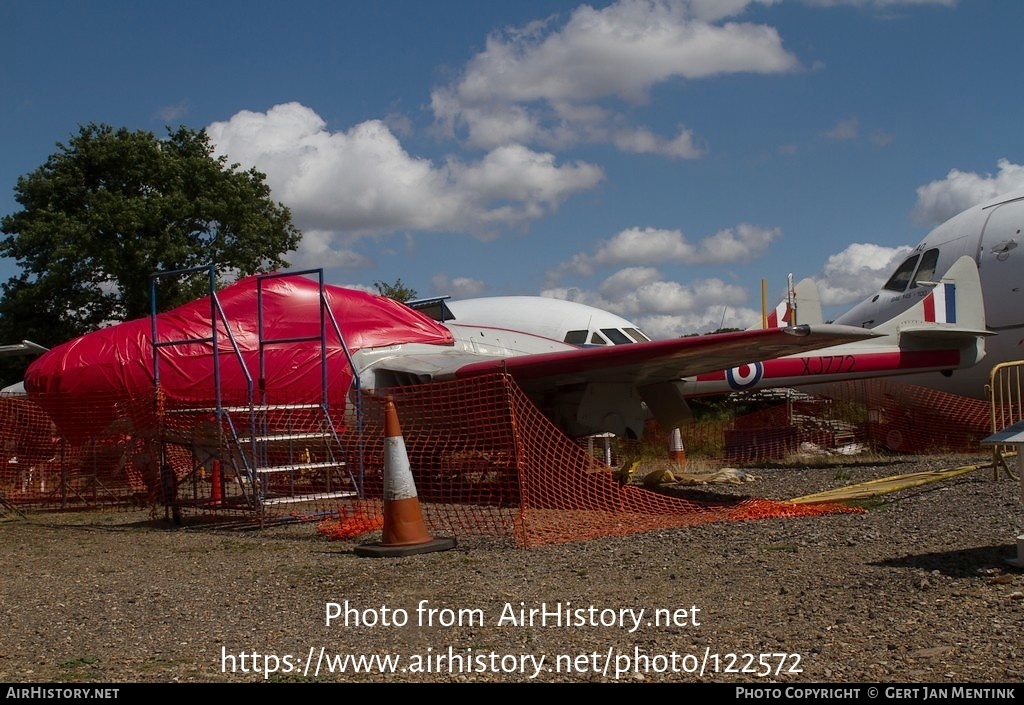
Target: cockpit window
902, 276
916, 268
616, 336
926, 270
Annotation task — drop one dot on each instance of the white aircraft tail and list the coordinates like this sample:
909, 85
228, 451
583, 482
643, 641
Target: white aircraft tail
801, 305
953, 310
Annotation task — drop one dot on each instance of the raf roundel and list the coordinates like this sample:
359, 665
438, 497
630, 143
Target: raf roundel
744, 376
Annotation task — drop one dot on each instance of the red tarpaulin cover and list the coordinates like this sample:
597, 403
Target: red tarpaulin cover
118, 361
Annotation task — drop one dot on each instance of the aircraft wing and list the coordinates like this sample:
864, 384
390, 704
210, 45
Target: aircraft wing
667, 360
638, 364
598, 389
592, 390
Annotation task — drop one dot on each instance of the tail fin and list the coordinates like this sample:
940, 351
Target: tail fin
953, 308
802, 305
953, 314
808, 303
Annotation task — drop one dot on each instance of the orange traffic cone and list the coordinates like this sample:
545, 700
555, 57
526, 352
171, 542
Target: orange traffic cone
404, 531
676, 452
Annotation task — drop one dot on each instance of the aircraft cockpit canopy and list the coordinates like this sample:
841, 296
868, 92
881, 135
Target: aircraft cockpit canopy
434, 307
606, 336
568, 321
918, 268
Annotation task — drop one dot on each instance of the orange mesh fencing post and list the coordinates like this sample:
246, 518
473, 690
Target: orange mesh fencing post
404, 531
215, 489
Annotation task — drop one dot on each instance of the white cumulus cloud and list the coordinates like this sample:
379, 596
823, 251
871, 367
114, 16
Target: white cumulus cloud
856, 272
638, 246
940, 200
666, 309
457, 287
555, 84
642, 141
342, 185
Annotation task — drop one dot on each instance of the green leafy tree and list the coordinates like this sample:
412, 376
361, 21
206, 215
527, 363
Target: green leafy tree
397, 291
110, 208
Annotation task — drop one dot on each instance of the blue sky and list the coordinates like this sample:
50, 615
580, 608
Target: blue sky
655, 158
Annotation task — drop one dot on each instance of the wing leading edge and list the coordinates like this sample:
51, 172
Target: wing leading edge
665, 360
611, 389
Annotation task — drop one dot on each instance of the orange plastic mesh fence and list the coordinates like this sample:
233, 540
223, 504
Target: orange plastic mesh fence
912, 419
39, 468
876, 415
485, 461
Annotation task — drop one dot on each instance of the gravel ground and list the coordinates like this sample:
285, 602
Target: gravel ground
915, 590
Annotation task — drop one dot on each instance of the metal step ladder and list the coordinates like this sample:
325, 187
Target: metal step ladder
266, 452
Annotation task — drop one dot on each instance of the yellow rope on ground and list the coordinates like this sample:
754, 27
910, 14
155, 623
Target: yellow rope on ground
884, 485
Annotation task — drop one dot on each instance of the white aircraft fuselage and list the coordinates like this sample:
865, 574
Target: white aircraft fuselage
988, 233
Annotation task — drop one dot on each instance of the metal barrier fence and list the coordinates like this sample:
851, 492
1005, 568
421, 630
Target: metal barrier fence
1007, 408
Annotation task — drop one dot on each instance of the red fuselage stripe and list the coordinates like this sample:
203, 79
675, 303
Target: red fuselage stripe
850, 364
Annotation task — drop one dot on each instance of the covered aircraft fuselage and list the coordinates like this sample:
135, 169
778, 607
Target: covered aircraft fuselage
104, 367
